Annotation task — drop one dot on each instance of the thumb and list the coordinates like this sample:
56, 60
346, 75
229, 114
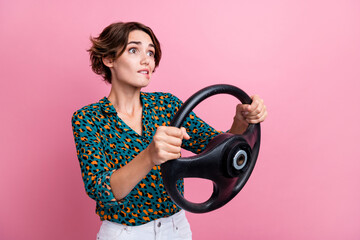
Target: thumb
185, 134
243, 109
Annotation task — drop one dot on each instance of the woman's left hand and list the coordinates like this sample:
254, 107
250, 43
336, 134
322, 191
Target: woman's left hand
254, 113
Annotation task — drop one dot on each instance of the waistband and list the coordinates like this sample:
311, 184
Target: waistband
155, 223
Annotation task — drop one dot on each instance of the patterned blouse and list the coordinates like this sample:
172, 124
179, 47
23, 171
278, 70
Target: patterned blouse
104, 143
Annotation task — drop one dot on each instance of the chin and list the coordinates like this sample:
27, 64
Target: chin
143, 83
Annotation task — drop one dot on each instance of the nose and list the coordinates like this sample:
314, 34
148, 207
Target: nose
145, 59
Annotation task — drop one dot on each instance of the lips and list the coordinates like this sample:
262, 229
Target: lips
144, 71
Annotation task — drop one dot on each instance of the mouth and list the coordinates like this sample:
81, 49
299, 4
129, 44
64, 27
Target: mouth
144, 71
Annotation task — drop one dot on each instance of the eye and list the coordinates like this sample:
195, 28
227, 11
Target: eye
151, 53
132, 50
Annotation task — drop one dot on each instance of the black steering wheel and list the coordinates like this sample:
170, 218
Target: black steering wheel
227, 161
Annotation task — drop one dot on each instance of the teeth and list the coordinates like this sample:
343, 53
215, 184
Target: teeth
144, 72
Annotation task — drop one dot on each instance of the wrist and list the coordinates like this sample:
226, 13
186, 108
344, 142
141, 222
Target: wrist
239, 126
148, 157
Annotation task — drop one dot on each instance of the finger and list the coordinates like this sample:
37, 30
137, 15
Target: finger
255, 121
174, 141
162, 137
256, 114
243, 108
173, 131
185, 134
257, 108
171, 156
255, 103
260, 118
171, 149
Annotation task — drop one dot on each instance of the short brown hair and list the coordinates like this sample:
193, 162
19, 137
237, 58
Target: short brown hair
112, 42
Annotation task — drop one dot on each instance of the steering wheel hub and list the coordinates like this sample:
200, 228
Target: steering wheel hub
240, 160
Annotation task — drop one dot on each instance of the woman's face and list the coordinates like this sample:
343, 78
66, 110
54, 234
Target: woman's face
136, 64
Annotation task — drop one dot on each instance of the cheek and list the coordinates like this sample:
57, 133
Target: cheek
152, 65
125, 68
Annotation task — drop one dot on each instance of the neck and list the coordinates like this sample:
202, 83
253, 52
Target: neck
126, 99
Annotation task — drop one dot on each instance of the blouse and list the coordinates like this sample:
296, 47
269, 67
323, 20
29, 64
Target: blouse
105, 143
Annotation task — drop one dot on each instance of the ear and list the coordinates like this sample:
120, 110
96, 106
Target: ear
109, 62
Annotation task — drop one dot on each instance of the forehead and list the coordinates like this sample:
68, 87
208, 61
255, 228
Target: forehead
140, 36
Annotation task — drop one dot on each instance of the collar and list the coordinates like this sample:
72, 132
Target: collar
107, 107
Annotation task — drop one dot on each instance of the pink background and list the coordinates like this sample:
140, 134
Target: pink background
302, 57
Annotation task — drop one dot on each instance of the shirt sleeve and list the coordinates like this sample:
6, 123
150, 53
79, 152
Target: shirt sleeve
96, 171
199, 131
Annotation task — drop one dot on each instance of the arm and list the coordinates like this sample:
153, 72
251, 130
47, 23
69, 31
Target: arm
165, 146
107, 185
95, 170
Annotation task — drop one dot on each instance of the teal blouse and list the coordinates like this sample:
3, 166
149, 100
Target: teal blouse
104, 143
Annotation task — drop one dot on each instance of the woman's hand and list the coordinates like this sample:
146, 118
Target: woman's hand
166, 144
248, 113
254, 113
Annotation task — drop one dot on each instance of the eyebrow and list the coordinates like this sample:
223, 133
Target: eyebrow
139, 43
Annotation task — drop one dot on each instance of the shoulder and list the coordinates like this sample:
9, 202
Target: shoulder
87, 111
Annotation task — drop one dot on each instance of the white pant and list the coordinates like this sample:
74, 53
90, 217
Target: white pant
174, 227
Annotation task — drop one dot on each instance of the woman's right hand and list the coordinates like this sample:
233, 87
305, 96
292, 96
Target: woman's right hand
166, 144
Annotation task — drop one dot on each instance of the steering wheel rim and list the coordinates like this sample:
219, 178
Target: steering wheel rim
228, 159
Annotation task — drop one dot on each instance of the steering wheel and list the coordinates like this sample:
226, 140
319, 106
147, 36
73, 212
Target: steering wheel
228, 160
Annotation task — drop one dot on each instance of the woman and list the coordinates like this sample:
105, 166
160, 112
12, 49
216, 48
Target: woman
123, 139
